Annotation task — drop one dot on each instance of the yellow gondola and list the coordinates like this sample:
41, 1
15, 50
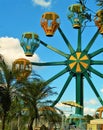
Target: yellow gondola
21, 68
99, 21
50, 22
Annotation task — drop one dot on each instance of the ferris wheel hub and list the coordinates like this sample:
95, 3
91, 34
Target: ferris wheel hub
79, 62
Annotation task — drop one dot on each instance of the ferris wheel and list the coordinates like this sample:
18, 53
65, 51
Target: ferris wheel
78, 63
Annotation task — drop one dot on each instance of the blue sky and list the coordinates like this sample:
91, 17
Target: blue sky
19, 16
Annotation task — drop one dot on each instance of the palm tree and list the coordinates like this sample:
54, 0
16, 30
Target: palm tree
5, 103
6, 79
100, 3
51, 115
32, 95
35, 95
16, 114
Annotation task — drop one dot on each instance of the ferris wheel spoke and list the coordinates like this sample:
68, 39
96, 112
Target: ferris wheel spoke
93, 87
79, 40
57, 75
54, 49
66, 41
96, 72
91, 41
96, 62
49, 63
63, 89
96, 52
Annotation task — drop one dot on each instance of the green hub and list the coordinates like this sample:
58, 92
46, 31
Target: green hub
79, 62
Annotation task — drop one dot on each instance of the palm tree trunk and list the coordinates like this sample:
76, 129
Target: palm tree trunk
19, 122
3, 121
30, 124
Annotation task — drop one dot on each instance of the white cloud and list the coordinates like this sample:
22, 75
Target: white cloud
91, 102
10, 49
101, 90
90, 106
90, 111
42, 3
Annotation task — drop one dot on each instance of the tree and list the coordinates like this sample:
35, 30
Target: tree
52, 115
34, 95
88, 118
5, 104
100, 3
6, 79
17, 116
29, 94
